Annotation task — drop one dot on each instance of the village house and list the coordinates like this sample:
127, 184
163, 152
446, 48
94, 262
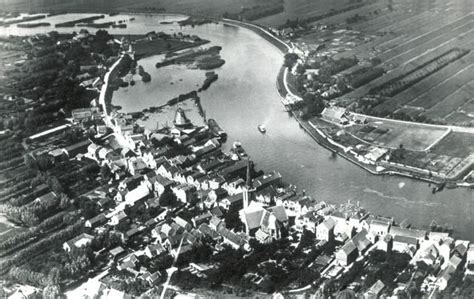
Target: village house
184, 193
208, 166
375, 290
405, 244
137, 194
445, 248
232, 203
308, 221
336, 115
420, 235
202, 218
266, 195
209, 232
182, 223
273, 178
151, 278
238, 169
325, 230
77, 242
118, 218
160, 184
193, 177
385, 243
216, 223
216, 181
136, 166
96, 221
77, 148
346, 254
116, 252
378, 229
154, 250
361, 241
235, 186
234, 240
470, 260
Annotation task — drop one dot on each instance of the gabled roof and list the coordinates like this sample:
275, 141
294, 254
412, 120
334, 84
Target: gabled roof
117, 250
461, 249
455, 261
232, 237
181, 222
376, 288
132, 232
97, 220
405, 240
202, 217
215, 221
348, 248
165, 182
361, 241
279, 212
375, 223
156, 248
208, 231
235, 198
329, 223
254, 218
216, 211
412, 233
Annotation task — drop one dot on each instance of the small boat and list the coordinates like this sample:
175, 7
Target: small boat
262, 129
237, 144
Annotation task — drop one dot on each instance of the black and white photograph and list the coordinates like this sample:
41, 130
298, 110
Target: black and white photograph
189, 149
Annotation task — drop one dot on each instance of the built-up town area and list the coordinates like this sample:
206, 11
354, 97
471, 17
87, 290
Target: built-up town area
94, 205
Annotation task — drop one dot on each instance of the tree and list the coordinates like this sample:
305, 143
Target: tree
54, 276
51, 292
30, 162
106, 173
313, 104
55, 185
168, 198
290, 60
44, 162
64, 201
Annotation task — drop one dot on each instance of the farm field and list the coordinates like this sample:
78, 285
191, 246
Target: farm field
302, 9
443, 90
459, 66
427, 69
447, 105
8, 229
208, 7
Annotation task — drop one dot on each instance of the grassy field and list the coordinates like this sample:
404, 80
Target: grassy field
464, 145
392, 134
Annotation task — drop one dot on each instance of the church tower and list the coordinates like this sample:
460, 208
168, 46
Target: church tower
249, 190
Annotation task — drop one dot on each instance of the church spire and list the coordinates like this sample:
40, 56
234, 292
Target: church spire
249, 191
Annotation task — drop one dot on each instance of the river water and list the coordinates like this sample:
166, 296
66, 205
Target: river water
245, 95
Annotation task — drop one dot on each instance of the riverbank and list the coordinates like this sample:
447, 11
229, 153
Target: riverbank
387, 168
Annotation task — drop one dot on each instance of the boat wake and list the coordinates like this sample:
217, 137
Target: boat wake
401, 199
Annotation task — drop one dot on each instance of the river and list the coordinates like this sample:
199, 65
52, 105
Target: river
245, 95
